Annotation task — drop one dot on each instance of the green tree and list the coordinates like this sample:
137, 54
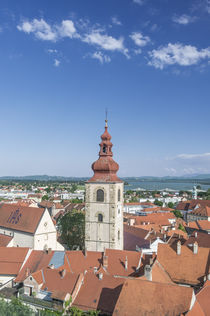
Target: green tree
171, 205
181, 227
73, 188
14, 308
158, 203
45, 198
178, 214
72, 229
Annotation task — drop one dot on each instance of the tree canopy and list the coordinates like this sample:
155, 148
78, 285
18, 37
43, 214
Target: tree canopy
72, 229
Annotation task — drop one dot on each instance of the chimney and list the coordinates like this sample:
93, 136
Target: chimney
195, 248
126, 263
63, 273
49, 250
105, 261
28, 272
100, 276
196, 234
148, 272
178, 248
131, 221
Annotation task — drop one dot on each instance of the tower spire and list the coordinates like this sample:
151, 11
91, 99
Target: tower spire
106, 120
105, 168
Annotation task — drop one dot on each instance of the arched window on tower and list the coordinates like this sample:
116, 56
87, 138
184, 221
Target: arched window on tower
100, 196
104, 149
119, 193
100, 218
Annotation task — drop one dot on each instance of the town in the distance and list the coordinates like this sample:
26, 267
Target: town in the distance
98, 246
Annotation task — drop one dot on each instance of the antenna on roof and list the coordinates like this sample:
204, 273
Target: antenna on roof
106, 115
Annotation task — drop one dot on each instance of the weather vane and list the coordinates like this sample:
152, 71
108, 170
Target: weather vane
106, 120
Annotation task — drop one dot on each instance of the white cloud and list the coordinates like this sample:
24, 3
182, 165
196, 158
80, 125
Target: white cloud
67, 29
52, 51
140, 2
194, 156
139, 39
177, 54
42, 30
183, 19
137, 51
56, 62
101, 57
116, 21
208, 6
104, 41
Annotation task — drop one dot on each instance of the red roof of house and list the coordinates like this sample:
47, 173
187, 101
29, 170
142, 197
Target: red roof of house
37, 260
11, 260
139, 297
21, 218
99, 294
186, 268
5, 240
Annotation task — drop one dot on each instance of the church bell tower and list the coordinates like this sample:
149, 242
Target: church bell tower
104, 201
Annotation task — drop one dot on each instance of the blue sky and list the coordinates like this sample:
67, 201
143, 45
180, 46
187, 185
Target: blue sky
63, 62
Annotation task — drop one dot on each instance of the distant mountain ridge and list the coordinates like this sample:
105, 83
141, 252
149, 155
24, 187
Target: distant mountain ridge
135, 179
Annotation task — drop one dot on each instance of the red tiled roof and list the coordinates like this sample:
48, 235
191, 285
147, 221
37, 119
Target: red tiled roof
79, 262
5, 240
139, 297
204, 225
99, 294
11, 260
20, 218
116, 262
186, 268
37, 260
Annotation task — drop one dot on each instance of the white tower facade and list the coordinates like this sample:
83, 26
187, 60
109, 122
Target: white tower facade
104, 202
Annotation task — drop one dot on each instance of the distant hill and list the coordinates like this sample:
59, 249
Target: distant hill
203, 178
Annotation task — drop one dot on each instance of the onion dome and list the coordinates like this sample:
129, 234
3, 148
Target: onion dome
105, 168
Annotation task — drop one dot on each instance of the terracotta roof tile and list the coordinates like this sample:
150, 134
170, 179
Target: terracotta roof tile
11, 260
99, 294
20, 218
202, 239
5, 240
116, 262
79, 262
139, 297
186, 268
37, 260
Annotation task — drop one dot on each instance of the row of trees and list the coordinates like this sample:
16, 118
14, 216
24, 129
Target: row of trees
15, 307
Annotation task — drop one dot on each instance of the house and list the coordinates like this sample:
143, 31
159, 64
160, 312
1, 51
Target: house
185, 265
199, 213
185, 207
28, 226
11, 261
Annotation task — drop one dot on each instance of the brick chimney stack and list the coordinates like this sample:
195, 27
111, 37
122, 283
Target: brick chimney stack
105, 261
126, 263
178, 248
195, 247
